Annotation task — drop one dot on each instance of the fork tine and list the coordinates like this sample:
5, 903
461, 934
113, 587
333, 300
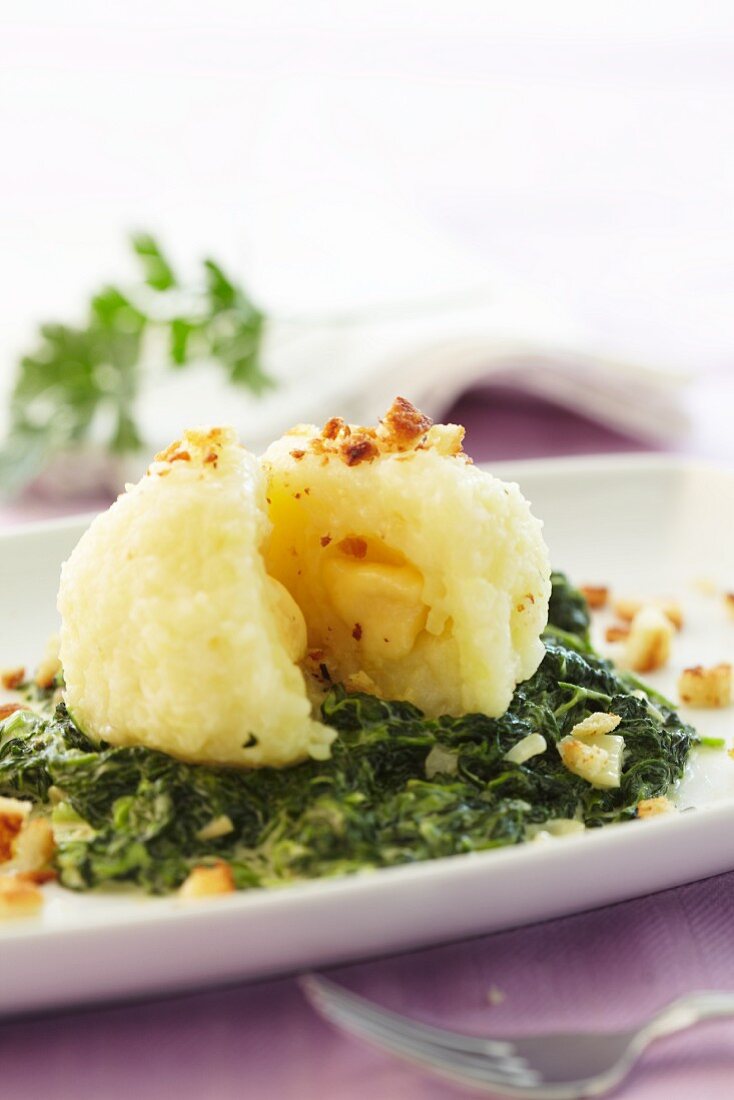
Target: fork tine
503, 1072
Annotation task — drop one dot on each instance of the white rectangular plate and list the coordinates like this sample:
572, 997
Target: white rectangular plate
643, 525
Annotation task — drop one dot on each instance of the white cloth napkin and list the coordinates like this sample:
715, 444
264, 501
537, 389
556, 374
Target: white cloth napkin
367, 302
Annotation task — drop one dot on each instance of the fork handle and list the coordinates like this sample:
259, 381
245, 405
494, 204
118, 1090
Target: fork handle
691, 1009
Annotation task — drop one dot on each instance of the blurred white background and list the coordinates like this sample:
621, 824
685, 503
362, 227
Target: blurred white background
585, 149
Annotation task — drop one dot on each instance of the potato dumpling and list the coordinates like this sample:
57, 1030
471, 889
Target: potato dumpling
417, 573
173, 635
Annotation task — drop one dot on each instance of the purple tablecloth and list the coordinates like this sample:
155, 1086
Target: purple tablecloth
599, 969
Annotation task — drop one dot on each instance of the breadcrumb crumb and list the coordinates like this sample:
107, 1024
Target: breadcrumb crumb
18, 897
596, 595
12, 678
594, 724
706, 687
649, 641
204, 882
13, 816
654, 807
627, 610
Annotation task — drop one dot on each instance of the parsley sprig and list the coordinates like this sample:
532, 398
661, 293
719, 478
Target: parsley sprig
82, 381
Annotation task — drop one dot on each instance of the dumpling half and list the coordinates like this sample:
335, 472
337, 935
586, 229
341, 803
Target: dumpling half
173, 634
419, 574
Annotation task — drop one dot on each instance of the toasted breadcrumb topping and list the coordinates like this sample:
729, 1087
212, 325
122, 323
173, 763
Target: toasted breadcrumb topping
201, 447
403, 430
404, 423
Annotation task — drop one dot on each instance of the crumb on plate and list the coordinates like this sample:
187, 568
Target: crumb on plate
654, 807
617, 632
205, 882
50, 665
706, 687
627, 610
649, 640
14, 814
12, 678
18, 897
596, 595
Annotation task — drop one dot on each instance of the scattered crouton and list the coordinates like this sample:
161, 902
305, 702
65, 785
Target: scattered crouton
204, 882
595, 724
13, 816
729, 603
50, 665
12, 678
653, 807
627, 610
19, 898
596, 595
598, 762
706, 687
617, 632
648, 643
34, 846
6, 709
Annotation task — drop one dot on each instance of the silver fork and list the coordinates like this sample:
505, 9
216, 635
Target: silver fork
562, 1066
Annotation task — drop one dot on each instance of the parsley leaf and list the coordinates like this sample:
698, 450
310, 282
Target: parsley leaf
81, 382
